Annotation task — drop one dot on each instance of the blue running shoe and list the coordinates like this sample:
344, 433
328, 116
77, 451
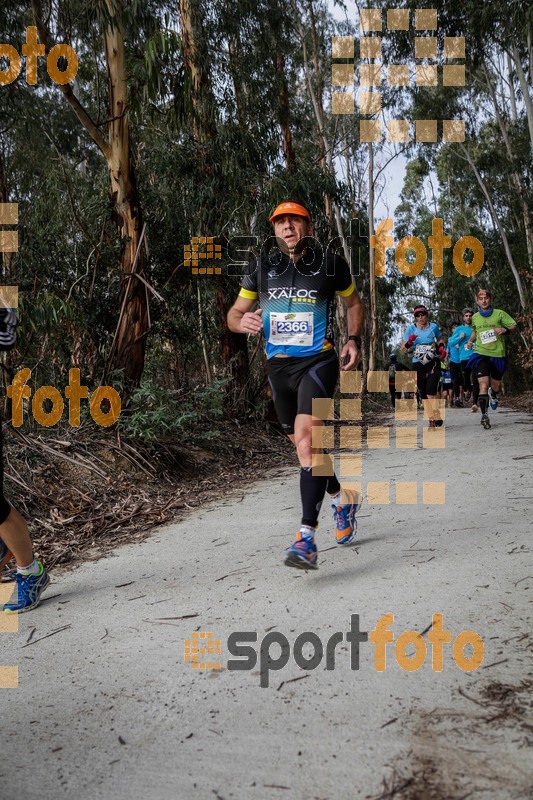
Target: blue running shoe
302, 553
29, 589
345, 521
493, 399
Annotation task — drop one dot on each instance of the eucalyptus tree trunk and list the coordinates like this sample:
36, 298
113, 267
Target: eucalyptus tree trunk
515, 174
372, 265
498, 226
278, 60
129, 344
233, 346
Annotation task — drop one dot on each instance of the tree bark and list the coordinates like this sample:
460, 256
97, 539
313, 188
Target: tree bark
201, 93
372, 264
516, 177
130, 341
525, 89
208, 373
235, 359
234, 350
133, 326
497, 224
278, 60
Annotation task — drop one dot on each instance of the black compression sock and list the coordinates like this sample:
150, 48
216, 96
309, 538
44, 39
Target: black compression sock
482, 402
333, 486
312, 490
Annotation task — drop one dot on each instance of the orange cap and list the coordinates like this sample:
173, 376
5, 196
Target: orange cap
290, 208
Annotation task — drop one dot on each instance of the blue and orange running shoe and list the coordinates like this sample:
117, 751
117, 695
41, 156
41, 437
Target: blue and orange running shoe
29, 589
493, 399
302, 553
344, 517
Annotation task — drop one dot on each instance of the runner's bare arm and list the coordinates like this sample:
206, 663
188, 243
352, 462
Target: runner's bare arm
241, 318
355, 314
471, 341
355, 317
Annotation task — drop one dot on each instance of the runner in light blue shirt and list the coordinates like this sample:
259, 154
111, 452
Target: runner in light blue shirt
460, 337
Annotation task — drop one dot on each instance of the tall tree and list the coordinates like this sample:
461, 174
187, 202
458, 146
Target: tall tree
129, 345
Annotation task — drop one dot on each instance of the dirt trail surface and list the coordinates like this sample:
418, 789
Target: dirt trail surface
107, 708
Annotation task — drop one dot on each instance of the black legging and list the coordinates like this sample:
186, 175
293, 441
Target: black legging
394, 395
465, 371
428, 377
457, 378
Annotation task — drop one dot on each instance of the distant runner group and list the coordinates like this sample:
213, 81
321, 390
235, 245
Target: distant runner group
470, 366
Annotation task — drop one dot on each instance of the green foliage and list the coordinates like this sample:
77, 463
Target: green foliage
220, 168
155, 413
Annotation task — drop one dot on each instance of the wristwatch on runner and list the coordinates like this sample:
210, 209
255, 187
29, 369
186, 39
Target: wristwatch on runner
356, 339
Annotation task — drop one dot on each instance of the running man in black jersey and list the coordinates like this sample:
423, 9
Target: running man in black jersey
295, 289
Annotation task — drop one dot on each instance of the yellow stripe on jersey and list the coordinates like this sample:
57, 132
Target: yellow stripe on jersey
347, 292
248, 294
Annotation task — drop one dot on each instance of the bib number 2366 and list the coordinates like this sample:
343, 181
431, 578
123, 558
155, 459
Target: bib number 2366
291, 329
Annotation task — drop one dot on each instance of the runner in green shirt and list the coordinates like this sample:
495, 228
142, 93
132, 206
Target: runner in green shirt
490, 326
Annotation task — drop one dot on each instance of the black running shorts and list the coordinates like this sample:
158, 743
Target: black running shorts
295, 382
486, 368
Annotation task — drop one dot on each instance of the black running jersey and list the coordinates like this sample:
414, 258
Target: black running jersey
298, 300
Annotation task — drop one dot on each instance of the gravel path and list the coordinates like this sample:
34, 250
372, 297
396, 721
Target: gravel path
107, 708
